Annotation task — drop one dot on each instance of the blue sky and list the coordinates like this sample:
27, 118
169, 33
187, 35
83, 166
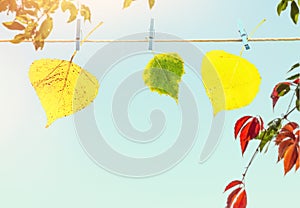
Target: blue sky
49, 168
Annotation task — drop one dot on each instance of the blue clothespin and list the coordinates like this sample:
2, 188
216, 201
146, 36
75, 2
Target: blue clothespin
151, 34
78, 34
244, 35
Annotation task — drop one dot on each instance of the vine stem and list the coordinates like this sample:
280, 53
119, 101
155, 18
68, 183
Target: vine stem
257, 149
250, 163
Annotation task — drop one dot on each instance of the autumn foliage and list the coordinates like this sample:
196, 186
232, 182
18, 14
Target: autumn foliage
238, 197
247, 128
283, 132
288, 146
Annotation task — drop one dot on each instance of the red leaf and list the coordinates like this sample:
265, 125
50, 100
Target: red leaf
241, 201
290, 157
244, 137
232, 184
231, 198
254, 128
290, 127
239, 124
261, 123
296, 81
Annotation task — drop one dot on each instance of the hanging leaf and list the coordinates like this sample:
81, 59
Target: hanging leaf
290, 157
67, 5
294, 67
13, 25
163, 74
231, 82
288, 142
85, 12
280, 90
233, 184
294, 12
46, 27
151, 3
282, 6
127, 3
247, 128
238, 197
62, 87
268, 134
3, 5
18, 39
294, 77
241, 201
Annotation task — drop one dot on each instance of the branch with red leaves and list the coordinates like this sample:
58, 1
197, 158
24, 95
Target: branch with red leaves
287, 138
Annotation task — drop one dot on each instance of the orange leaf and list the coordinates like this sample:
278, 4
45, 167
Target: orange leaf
241, 201
298, 160
284, 135
232, 184
290, 158
283, 147
290, 127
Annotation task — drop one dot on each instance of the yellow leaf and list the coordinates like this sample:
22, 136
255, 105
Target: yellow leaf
63, 88
151, 3
127, 3
18, 39
231, 82
68, 5
46, 27
85, 12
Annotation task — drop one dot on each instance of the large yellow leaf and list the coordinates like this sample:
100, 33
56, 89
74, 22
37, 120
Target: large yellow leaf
62, 87
231, 81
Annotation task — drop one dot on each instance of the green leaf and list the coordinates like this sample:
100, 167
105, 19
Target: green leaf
294, 12
268, 134
282, 6
127, 3
18, 39
293, 77
294, 67
151, 3
163, 74
298, 104
85, 12
13, 25
67, 5
283, 89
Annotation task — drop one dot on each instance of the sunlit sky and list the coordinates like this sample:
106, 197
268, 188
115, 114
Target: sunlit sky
49, 168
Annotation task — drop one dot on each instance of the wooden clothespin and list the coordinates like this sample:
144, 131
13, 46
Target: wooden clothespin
244, 35
151, 34
78, 34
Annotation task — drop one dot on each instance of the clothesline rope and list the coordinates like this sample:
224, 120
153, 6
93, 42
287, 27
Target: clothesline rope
171, 40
